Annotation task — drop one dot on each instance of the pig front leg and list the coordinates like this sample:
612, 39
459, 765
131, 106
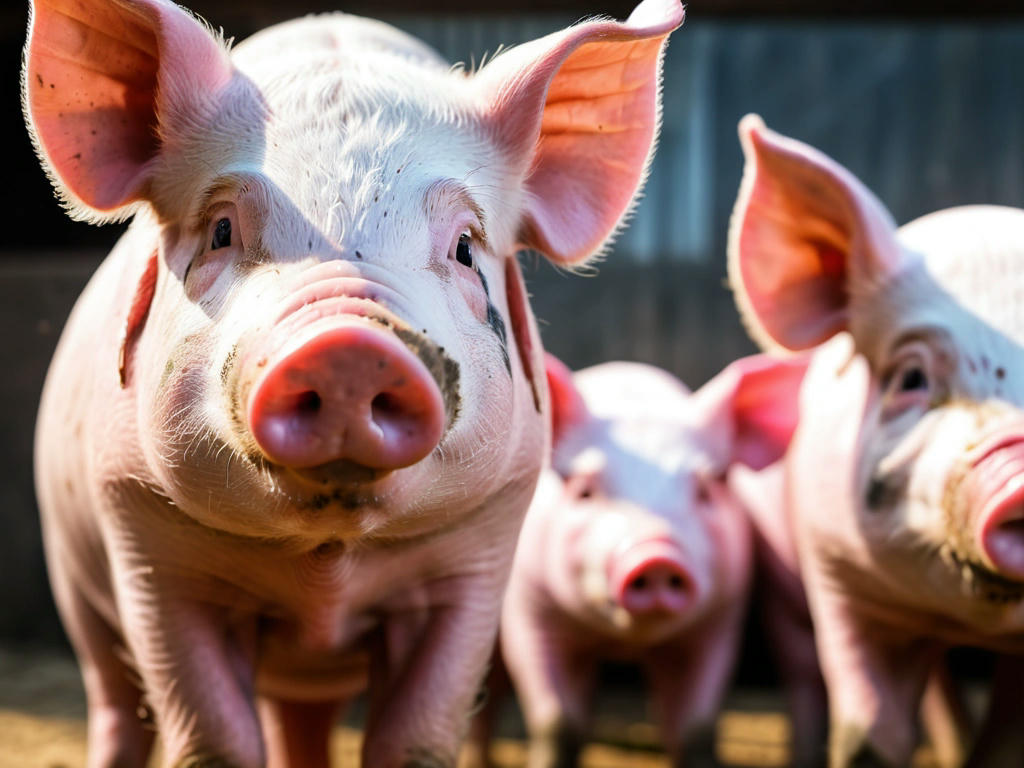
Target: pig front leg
197, 673
875, 677
116, 734
1001, 739
552, 680
425, 675
688, 680
297, 733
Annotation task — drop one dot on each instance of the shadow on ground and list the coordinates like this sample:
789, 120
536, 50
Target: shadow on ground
42, 725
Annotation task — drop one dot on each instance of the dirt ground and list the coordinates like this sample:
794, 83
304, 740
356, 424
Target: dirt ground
42, 725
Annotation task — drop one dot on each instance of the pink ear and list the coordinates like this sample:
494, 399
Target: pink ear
806, 236
578, 112
567, 406
102, 80
750, 410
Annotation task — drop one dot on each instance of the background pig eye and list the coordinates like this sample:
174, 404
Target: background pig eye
464, 250
221, 234
913, 379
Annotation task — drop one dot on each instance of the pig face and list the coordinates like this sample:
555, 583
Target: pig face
328, 311
911, 421
637, 484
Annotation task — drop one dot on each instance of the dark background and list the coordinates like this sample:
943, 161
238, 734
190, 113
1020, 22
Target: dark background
923, 101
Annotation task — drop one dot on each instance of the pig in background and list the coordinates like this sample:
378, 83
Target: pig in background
633, 548
294, 421
904, 475
780, 607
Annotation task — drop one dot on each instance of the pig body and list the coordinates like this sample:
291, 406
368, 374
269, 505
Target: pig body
295, 419
904, 471
633, 549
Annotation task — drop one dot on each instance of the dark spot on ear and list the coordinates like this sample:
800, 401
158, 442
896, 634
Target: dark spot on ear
984, 362
52, 85
76, 156
39, 78
359, 255
971, 365
1000, 373
385, 214
309, 245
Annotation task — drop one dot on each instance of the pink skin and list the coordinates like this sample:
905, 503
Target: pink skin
634, 549
904, 475
294, 422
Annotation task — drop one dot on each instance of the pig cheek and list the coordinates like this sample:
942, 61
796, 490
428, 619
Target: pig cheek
472, 292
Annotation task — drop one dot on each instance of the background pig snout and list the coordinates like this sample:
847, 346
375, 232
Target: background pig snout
352, 392
996, 491
651, 577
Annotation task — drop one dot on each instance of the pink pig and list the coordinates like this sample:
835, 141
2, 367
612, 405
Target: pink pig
904, 476
294, 422
634, 549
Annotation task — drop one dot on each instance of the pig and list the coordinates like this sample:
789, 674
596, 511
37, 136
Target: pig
295, 419
785, 620
903, 476
633, 548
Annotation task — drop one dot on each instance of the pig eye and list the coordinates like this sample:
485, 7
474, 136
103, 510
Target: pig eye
464, 250
221, 234
909, 384
912, 379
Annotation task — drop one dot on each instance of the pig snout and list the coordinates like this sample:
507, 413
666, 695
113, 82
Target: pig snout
350, 391
995, 491
651, 577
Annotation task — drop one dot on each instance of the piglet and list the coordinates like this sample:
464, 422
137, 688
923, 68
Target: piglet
904, 476
295, 420
634, 549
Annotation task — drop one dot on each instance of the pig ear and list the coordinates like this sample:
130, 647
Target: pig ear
567, 405
102, 82
749, 411
806, 236
577, 112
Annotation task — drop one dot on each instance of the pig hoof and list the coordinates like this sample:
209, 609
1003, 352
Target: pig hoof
851, 749
698, 750
200, 761
558, 746
426, 759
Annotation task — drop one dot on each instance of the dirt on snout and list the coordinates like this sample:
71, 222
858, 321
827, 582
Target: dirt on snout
42, 725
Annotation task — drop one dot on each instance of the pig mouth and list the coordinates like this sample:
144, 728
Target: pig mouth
980, 581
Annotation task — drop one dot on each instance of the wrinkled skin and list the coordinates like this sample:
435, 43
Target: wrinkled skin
295, 419
903, 472
634, 549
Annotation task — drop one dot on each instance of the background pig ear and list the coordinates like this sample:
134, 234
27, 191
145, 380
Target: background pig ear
748, 412
102, 82
578, 112
567, 406
806, 235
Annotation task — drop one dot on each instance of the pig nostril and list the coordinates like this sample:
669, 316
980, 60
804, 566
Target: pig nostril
308, 402
639, 583
384, 406
675, 581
